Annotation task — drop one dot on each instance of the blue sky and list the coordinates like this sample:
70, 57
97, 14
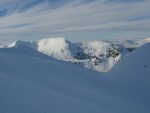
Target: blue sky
74, 19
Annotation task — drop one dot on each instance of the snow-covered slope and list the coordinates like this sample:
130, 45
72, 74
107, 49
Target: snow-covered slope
96, 55
134, 62
31, 82
131, 78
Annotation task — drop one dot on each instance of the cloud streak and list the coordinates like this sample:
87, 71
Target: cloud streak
72, 19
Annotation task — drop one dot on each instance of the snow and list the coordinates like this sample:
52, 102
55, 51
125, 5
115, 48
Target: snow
32, 82
135, 43
20, 43
95, 47
65, 50
56, 47
135, 63
98, 48
130, 78
144, 41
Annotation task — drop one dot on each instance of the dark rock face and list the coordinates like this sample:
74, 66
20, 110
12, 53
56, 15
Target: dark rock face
97, 59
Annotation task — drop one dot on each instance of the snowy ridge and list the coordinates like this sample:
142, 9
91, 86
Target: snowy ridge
19, 43
34, 82
135, 43
144, 41
96, 55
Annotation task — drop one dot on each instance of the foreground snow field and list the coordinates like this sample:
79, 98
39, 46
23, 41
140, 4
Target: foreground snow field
32, 82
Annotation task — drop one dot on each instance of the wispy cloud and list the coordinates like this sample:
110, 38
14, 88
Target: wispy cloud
33, 19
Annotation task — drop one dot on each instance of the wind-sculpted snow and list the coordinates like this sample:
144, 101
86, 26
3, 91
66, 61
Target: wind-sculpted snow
96, 55
32, 82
